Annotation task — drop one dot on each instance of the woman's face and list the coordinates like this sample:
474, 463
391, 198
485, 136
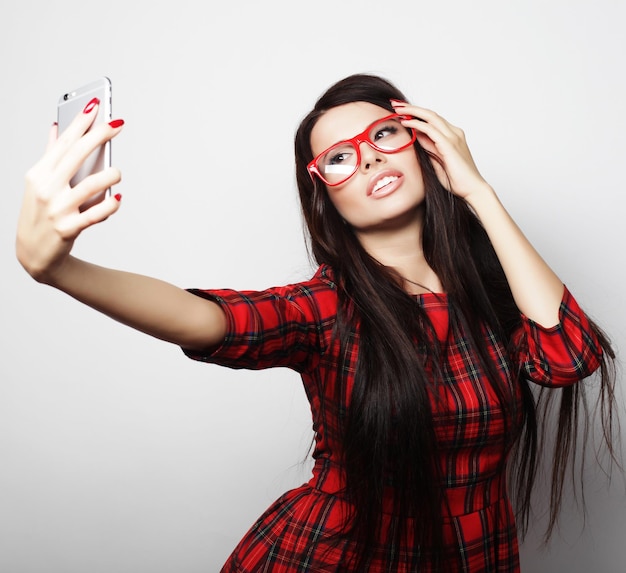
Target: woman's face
387, 189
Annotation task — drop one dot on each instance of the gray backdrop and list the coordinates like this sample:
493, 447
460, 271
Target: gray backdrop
120, 455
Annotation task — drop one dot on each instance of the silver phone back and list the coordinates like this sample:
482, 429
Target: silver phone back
72, 103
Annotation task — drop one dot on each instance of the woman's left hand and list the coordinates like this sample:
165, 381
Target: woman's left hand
447, 147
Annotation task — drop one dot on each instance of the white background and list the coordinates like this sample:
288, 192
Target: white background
118, 454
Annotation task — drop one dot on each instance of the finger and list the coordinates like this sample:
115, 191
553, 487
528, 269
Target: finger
81, 149
72, 225
424, 128
73, 132
101, 211
90, 187
426, 115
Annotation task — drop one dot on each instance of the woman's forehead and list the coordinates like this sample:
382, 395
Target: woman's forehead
343, 122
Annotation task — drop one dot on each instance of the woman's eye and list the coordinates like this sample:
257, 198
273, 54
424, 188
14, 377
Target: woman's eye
385, 132
337, 158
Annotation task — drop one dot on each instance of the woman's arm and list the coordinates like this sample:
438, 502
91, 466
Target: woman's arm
537, 290
147, 304
50, 221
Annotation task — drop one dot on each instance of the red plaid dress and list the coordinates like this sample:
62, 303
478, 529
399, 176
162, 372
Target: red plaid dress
292, 327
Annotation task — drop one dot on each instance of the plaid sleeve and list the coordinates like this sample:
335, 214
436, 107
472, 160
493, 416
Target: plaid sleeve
280, 326
561, 355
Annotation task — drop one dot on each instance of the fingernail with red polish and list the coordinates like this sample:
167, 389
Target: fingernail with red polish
93, 103
118, 196
116, 123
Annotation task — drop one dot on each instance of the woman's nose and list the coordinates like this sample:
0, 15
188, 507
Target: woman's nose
370, 156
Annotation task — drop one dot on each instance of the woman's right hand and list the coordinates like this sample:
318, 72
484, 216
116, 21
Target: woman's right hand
50, 218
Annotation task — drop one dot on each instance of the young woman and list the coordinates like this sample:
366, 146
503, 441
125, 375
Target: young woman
426, 340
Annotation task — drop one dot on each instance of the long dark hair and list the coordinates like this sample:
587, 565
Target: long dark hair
388, 434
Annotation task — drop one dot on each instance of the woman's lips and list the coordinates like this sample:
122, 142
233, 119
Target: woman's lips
384, 183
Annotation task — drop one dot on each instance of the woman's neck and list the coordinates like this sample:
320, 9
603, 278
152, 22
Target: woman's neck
401, 249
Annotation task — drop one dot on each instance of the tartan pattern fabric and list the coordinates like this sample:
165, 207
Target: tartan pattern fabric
292, 327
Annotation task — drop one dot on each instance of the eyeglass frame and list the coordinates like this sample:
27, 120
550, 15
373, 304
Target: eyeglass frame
356, 141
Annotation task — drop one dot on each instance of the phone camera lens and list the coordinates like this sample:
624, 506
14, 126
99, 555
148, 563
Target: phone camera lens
66, 96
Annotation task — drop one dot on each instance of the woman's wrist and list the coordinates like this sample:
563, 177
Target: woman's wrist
481, 197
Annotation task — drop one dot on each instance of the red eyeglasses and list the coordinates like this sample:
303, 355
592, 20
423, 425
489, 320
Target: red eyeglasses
340, 162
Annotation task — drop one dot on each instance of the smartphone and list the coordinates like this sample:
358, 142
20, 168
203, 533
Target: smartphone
72, 103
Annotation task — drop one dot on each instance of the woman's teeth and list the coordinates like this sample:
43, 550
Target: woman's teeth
382, 182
